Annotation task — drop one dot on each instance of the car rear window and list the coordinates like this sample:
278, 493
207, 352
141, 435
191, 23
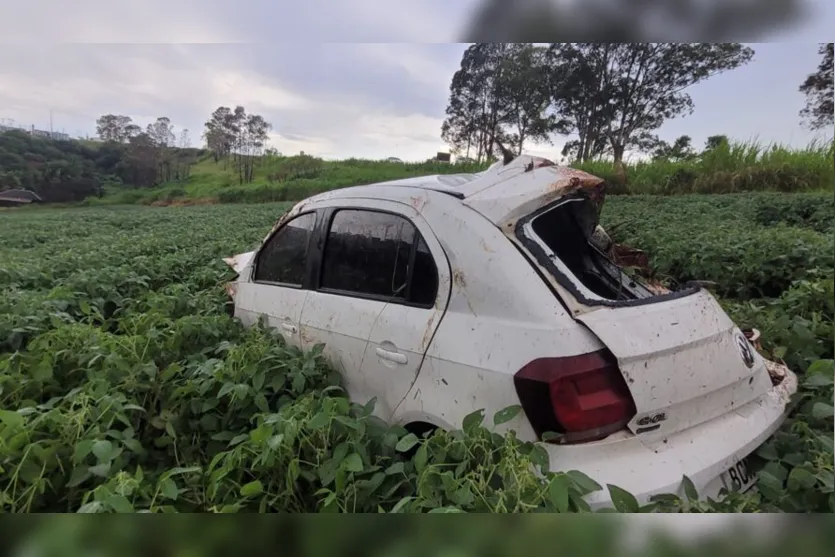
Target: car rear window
566, 232
379, 255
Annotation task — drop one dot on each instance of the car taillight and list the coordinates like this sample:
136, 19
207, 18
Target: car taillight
583, 397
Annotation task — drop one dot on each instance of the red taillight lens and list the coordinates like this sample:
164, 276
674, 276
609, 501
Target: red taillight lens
583, 397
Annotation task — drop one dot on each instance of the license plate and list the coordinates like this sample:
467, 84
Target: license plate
739, 477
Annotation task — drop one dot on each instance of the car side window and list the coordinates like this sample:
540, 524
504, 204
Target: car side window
283, 259
372, 253
424, 286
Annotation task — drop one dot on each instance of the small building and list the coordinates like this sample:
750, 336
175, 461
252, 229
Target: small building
442, 157
18, 197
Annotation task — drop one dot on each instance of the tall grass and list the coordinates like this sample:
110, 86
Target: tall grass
300, 174
731, 167
728, 168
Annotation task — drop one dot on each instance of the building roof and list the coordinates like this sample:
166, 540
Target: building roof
19, 195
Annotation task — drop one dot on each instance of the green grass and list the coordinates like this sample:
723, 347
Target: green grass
280, 179
735, 167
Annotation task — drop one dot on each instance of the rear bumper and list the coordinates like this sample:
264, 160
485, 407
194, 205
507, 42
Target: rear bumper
702, 453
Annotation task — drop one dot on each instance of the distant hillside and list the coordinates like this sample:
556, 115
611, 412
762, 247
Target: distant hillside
277, 178
61, 171
142, 172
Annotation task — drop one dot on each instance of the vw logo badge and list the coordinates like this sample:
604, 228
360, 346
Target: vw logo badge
745, 350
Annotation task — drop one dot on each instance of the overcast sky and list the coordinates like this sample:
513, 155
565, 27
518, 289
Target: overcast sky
330, 99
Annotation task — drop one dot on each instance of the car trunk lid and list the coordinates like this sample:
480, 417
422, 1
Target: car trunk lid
685, 362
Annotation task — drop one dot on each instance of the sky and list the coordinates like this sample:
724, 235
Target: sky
302, 66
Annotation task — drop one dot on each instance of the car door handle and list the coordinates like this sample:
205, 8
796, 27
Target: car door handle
290, 328
395, 357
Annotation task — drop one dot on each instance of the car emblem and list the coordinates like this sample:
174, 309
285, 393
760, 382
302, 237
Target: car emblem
652, 419
745, 350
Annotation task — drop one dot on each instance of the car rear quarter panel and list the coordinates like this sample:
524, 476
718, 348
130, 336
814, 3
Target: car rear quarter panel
501, 315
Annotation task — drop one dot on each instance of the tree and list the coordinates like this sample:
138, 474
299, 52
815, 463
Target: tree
255, 139
680, 150
581, 92
140, 165
55, 170
475, 99
498, 96
237, 135
818, 88
218, 133
131, 130
715, 141
161, 135
114, 127
527, 95
161, 132
627, 90
185, 140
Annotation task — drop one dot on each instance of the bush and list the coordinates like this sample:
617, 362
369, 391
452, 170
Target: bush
817, 212
298, 167
730, 167
721, 239
796, 326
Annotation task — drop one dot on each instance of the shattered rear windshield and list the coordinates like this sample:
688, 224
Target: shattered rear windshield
566, 230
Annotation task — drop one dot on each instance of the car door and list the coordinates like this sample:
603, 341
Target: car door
404, 329
367, 256
278, 279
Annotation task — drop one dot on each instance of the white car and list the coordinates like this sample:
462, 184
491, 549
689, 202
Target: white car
443, 295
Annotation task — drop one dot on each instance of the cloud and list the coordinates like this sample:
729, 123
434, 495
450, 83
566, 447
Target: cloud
126, 21
363, 132
334, 100
255, 91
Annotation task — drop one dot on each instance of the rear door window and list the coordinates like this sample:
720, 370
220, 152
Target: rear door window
424, 284
378, 255
283, 259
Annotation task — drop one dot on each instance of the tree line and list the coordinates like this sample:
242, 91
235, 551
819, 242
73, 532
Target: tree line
128, 154
611, 97
232, 135
62, 171
154, 155
147, 157
56, 170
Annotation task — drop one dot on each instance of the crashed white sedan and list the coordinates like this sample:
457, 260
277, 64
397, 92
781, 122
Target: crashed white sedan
442, 295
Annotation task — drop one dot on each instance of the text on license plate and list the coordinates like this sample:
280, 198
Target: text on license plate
739, 477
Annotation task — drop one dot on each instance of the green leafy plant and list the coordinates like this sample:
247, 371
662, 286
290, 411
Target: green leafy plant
126, 387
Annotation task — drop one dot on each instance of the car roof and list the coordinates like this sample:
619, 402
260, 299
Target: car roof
447, 183
502, 192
